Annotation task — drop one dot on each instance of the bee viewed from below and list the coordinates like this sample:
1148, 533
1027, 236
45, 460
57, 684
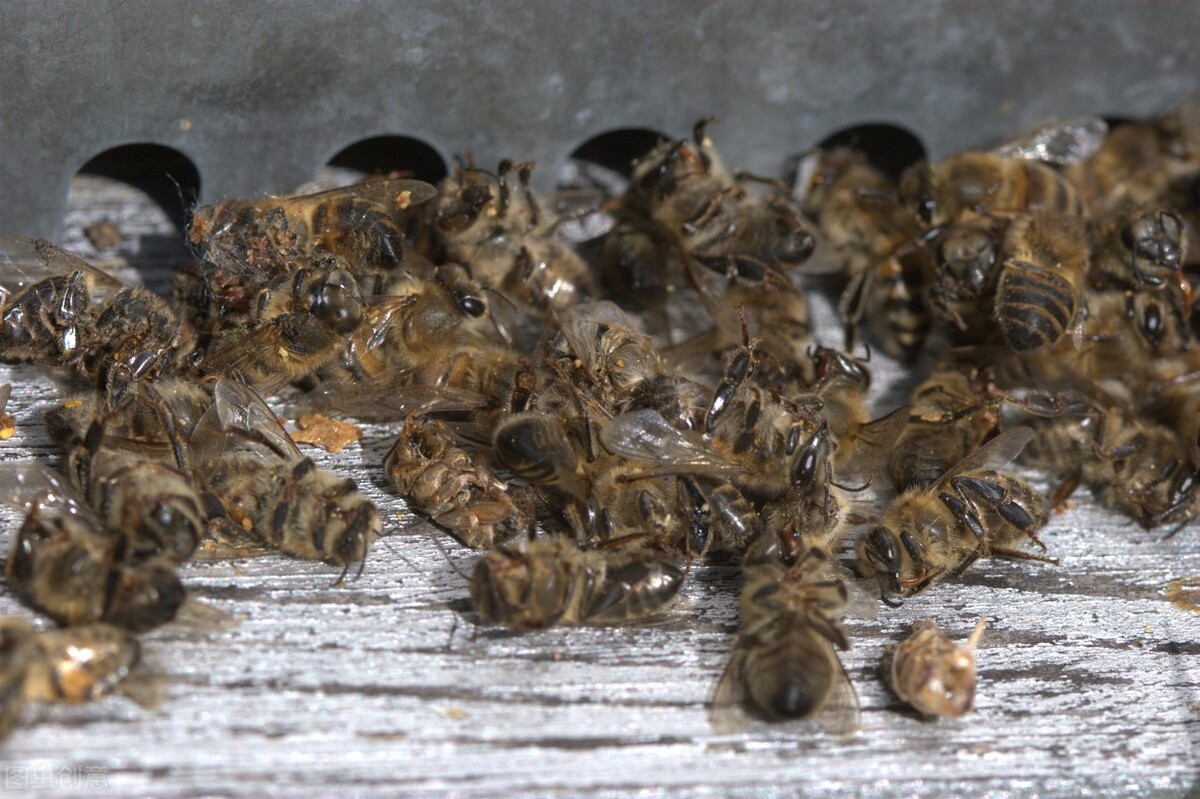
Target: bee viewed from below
933, 674
551, 580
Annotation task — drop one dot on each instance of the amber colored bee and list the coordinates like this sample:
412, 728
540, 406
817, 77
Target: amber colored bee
66, 314
970, 512
551, 580
933, 674
455, 488
80, 664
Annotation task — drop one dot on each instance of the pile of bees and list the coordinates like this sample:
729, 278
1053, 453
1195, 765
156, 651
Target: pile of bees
551, 414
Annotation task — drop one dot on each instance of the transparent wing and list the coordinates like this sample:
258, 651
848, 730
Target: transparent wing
1060, 141
646, 435
5, 393
22, 485
24, 261
581, 324
995, 454
840, 714
392, 194
727, 707
240, 418
390, 400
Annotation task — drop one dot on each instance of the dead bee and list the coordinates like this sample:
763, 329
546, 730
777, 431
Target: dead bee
1142, 248
968, 259
456, 488
547, 581
784, 663
932, 674
81, 664
968, 513
252, 243
66, 314
297, 325
65, 563
683, 187
953, 412
1136, 466
507, 239
1138, 162
1040, 292
268, 487
889, 298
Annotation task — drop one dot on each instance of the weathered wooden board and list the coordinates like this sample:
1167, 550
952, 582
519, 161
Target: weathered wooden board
388, 685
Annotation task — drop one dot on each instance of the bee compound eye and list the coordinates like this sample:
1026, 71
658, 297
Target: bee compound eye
472, 306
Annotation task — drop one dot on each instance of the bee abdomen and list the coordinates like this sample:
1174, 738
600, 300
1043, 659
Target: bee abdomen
1034, 305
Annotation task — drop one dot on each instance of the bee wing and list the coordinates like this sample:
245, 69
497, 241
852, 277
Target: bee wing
239, 413
21, 485
5, 393
390, 400
873, 443
998, 452
393, 194
727, 706
840, 714
646, 435
580, 325
1061, 141
243, 354
24, 261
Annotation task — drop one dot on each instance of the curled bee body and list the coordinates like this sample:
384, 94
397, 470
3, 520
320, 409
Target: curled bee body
81, 664
933, 674
889, 299
456, 488
1040, 292
255, 242
784, 663
551, 580
297, 325
507, 239
970, 512
67, 564
66, 314
968, 259
276, 494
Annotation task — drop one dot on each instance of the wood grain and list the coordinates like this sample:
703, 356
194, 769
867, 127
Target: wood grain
388, 685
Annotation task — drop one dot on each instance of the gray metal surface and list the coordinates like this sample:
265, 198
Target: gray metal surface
259, 96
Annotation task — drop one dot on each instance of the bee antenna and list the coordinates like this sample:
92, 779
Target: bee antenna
699, 128
854, 489
454, 566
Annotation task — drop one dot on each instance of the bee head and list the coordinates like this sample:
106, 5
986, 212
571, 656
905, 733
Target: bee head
337, 300
878, 556
1156, 240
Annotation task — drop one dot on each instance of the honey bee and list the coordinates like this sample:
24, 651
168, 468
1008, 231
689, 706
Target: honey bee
506, 239
986, 183
269, 488
968, 513
455, 488
297, 325
968, 259
1136, 466
551, 580
65, 563
931, 673
784, 664
852, 204
684, 188
66, 314
954, 411
1138, 161
262, 240
1142, 248
1040, 292
889, 298
80, 664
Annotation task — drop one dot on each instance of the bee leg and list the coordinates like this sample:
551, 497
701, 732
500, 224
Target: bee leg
1017, 554
964, 510
1063, 491
998, 499
852, 305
